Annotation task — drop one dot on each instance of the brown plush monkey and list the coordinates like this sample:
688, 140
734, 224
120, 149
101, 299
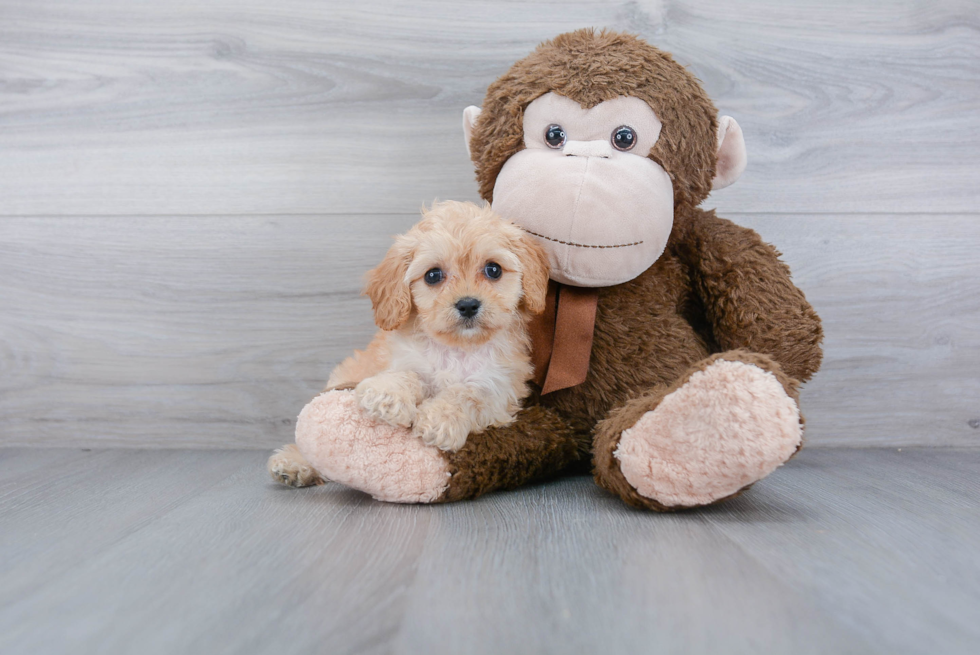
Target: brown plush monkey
674, 343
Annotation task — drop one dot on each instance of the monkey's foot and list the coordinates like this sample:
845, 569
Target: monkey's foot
727, 426
345, 445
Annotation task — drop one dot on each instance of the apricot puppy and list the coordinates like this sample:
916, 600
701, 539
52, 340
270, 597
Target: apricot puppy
452, 298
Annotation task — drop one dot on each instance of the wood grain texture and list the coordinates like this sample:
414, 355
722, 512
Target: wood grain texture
189, 195
187, 331
247, 107
215, 331
841, 550
131, 489
902, 509
900, 303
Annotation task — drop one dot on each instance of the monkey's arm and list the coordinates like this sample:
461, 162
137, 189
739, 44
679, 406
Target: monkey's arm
537, 445
748, 296
341, 443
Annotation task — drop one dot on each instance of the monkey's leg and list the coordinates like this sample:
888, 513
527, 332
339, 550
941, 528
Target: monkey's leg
345, 445
726, 423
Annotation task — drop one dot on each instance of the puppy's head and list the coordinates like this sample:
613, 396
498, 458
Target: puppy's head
464, 271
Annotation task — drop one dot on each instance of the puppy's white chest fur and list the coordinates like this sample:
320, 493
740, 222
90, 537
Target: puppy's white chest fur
490, 366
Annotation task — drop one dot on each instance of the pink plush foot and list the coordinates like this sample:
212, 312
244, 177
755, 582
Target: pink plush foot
345, 445
726, 427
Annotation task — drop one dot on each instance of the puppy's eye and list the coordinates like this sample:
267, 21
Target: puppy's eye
434, 276
623, 138
493, 270
554, 136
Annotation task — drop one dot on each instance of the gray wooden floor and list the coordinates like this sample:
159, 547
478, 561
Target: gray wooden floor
840, 551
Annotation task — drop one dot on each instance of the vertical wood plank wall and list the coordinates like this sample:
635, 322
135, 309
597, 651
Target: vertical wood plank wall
191, 192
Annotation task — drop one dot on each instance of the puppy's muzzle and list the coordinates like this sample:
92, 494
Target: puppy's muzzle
467, 307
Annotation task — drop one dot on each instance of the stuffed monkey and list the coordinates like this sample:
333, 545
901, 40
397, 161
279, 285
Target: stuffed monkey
671, 352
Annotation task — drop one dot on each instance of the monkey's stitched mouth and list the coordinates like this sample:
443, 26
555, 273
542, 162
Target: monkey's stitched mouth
581, 245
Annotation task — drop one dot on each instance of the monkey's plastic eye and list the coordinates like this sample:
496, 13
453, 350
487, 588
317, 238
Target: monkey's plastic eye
434, 276
493, 270
623, 138
554, 136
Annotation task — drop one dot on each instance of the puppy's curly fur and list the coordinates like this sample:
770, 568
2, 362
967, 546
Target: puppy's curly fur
452, 298
432, 367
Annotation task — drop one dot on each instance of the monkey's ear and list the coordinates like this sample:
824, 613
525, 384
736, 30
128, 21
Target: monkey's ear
731, 153
390, 294
469, 121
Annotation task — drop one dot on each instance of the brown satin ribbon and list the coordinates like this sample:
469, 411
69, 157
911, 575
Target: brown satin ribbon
561, 337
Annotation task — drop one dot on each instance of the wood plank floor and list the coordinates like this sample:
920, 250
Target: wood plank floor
842, 551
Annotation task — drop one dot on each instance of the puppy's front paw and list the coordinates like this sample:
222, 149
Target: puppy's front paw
442, 424
386, 402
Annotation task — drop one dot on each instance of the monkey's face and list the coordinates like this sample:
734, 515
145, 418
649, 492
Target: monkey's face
585, 187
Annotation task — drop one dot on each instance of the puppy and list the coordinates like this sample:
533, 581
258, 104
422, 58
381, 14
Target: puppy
452, 298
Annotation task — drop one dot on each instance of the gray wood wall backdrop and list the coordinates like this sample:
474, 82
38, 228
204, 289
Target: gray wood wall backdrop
191, 192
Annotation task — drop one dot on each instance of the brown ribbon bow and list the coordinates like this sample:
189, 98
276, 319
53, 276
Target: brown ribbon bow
561, 337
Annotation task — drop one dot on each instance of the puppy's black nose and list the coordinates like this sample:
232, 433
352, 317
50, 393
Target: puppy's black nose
467, 307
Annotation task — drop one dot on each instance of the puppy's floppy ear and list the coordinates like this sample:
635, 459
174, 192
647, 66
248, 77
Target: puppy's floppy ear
390, 294
534, 277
